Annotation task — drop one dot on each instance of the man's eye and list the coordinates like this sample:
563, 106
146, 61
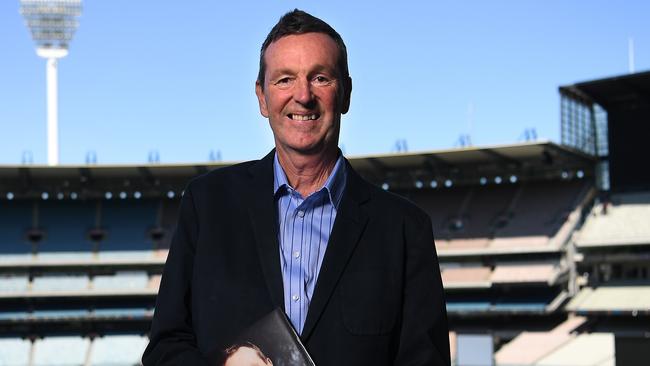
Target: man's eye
321, 79
283, 81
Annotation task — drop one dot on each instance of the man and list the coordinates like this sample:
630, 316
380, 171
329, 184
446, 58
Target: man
245, 354
353, 266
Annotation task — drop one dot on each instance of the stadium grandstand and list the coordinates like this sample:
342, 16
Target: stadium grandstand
544, 248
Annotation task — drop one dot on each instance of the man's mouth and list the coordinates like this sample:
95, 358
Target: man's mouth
303, 117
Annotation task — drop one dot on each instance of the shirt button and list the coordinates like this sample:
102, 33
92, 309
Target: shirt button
296, 254
295, 297
301, 213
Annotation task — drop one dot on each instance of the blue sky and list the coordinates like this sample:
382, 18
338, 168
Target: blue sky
178, 77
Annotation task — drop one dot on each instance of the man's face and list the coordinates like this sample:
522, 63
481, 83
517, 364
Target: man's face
303, 94
246, 356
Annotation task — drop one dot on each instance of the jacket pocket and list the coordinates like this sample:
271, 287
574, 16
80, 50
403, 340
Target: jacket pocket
369, 302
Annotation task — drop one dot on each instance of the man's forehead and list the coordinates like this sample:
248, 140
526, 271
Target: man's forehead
316, 49
295, 42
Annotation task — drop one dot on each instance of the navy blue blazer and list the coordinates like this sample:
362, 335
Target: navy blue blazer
378, 299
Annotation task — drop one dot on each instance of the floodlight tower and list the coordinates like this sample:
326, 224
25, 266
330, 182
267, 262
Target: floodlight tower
52, 24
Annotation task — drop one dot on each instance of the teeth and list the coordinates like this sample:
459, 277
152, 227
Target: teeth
303, 117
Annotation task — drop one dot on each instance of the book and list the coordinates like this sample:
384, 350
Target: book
269, 341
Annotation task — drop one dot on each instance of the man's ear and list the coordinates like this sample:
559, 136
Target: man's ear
261, 100
347, 93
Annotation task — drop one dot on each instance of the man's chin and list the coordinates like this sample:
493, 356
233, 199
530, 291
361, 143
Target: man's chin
316, 149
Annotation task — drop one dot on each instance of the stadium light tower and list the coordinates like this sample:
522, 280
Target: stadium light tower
52, 24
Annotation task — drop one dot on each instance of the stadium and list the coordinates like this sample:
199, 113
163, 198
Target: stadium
544, 247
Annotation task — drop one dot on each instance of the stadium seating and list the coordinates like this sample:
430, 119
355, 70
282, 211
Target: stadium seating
440, 205
505, 218
466, 277
14, 351
96, 269
503, 272
623, 222
528, 347
586, 349
482, 206
497, 302
525, 273
15, 220
62, 350
109, 350
527, 306
63, 228
468, 306
58, 314
65, 224
611, 299
121, 281
13, 283
168, 221
60, 282
74, 284
77, 315
121, 313
520, 243
462, 244
14, 315
127, 224
102, 352
541, 209
465, 219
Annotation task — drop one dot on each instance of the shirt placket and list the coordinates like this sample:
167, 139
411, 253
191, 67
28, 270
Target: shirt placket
296, 270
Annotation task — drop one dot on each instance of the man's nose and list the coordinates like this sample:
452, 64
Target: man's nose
302, 92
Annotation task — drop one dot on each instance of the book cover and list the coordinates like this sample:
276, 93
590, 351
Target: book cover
269, 341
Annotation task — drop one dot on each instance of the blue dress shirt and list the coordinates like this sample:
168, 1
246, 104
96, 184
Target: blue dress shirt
304, 228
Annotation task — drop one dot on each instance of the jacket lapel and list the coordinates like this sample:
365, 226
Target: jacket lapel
348, 227
263, 215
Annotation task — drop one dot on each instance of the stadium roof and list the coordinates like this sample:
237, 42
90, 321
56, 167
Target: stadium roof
499, 156
615, 91
462, 165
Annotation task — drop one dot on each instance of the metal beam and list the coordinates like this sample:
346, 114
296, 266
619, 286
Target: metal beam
501, 158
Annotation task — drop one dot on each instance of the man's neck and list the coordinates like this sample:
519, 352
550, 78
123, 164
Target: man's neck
307, 173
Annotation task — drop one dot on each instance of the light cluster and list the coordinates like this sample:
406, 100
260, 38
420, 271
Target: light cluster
108, 195
52, 23
484, 180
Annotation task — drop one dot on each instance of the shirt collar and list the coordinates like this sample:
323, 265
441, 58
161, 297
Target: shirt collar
334, 185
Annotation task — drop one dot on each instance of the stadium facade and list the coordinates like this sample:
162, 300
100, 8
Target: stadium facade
544, 247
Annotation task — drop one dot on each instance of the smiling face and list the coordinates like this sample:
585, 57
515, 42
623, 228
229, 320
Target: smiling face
303, 95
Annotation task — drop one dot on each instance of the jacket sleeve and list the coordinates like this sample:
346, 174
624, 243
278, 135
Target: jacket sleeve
172, 339
424, 337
